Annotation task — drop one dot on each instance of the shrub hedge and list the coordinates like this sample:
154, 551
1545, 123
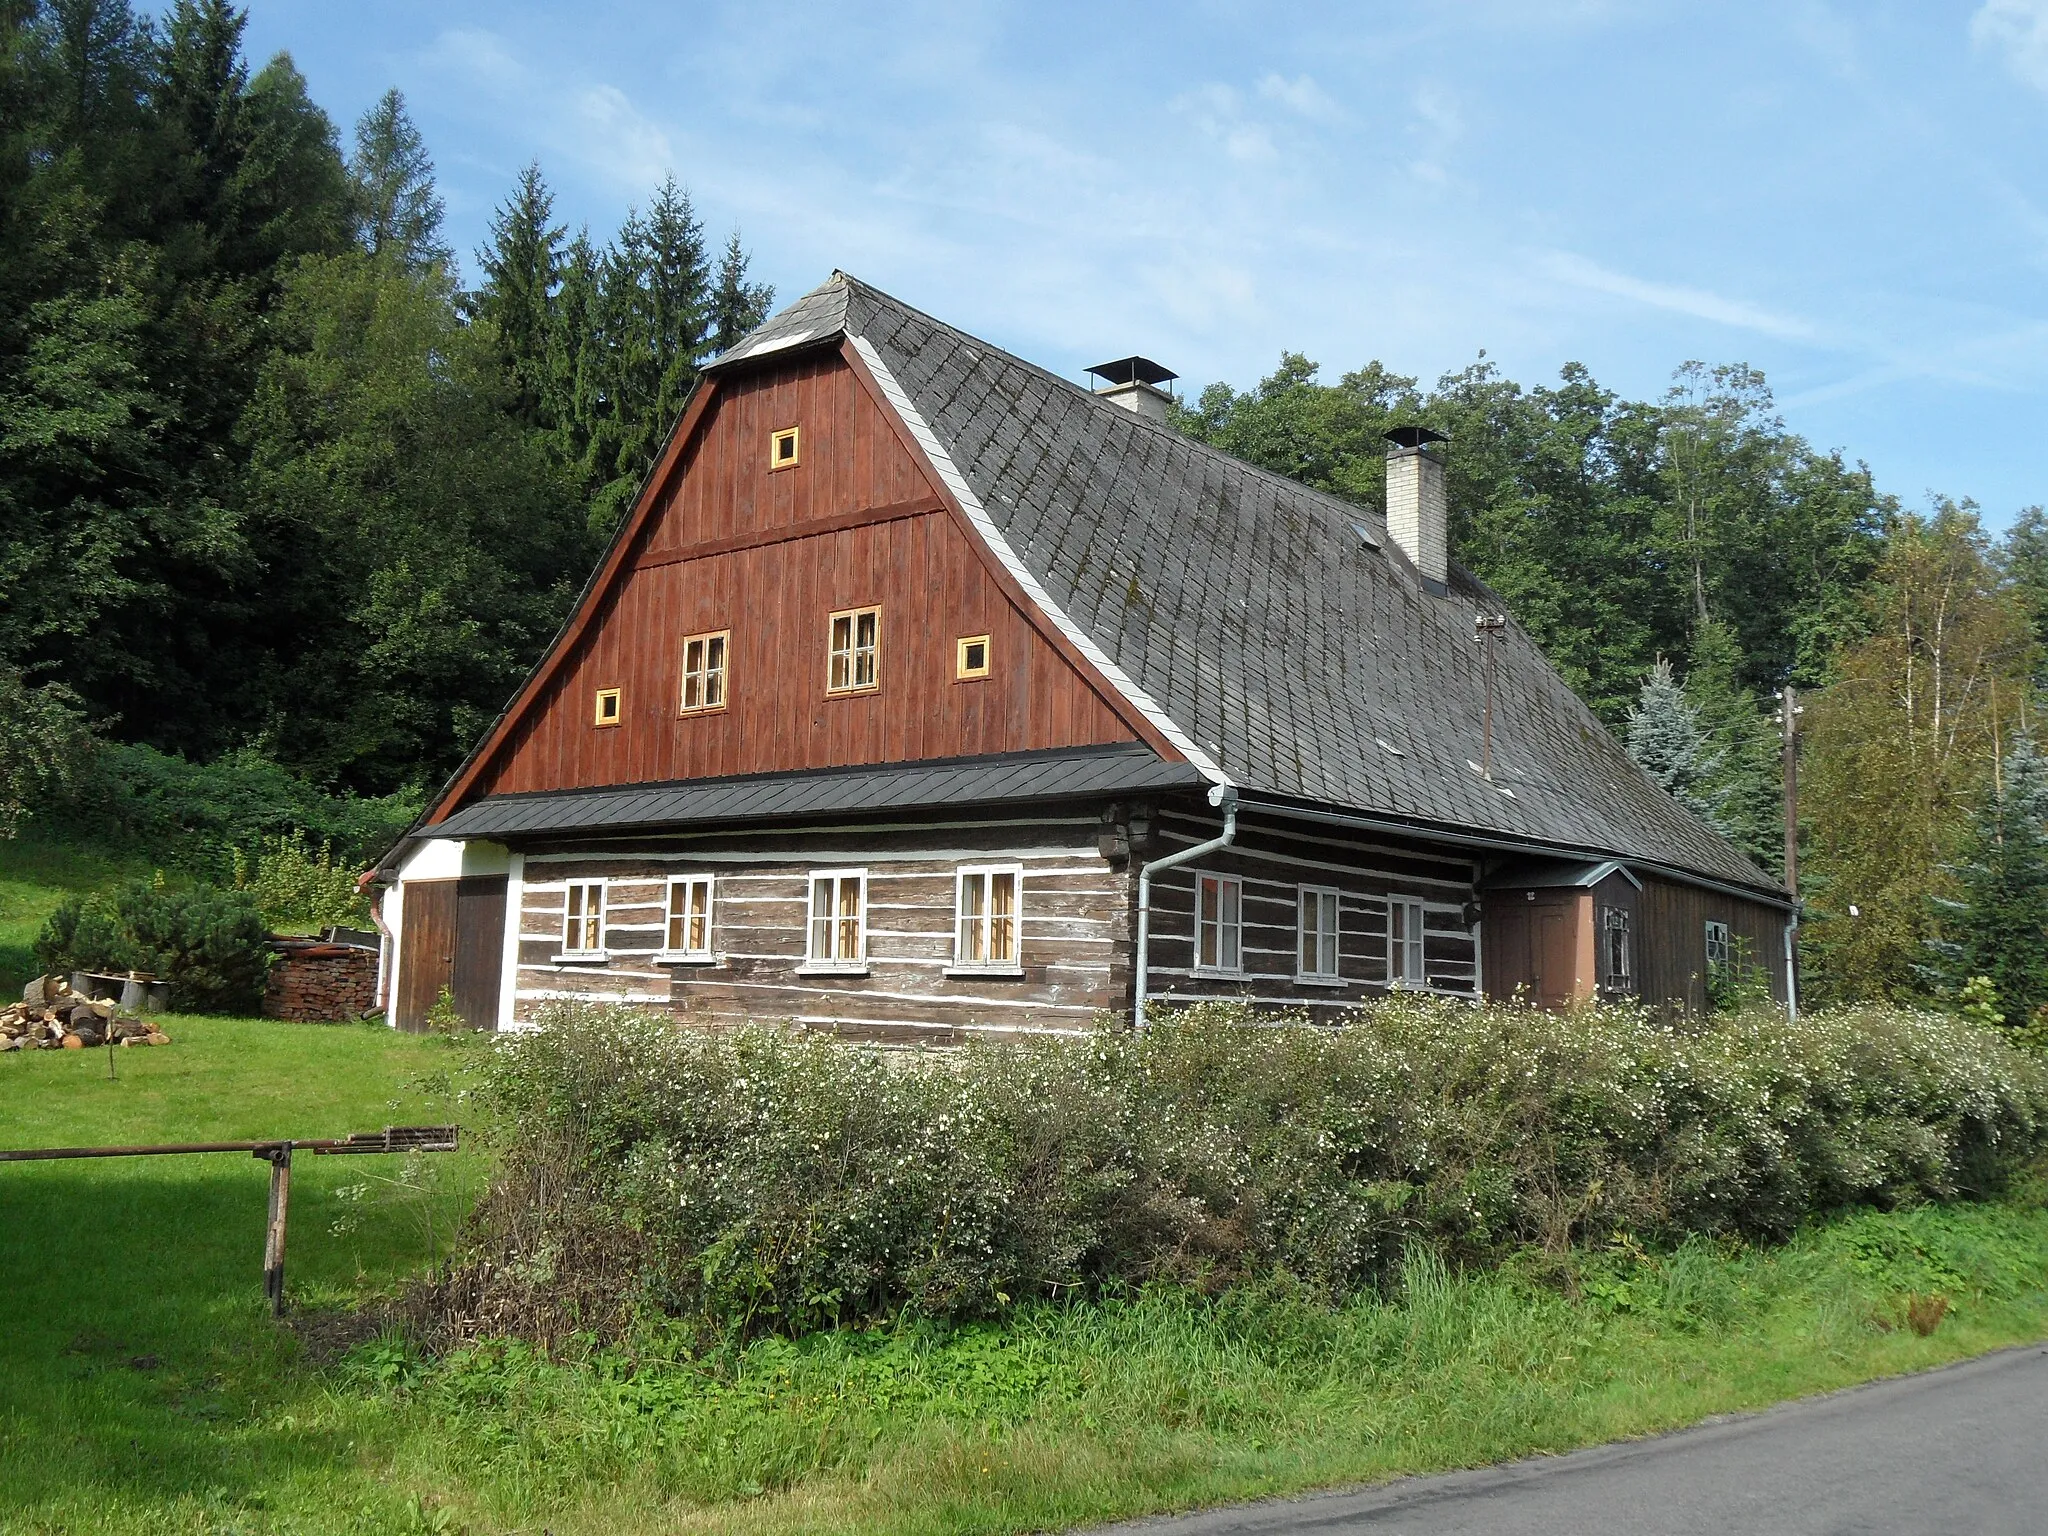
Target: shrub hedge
770, 1179
209, 943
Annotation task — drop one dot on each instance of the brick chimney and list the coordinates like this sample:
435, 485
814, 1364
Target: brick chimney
1418, 507
1136, 384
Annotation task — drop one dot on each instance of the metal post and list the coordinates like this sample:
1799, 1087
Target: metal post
1788, 717
273, 1234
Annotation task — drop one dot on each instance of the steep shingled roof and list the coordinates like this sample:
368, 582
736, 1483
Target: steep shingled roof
1275, 625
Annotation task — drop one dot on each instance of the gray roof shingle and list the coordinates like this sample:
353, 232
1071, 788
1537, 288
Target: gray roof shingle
1250, 608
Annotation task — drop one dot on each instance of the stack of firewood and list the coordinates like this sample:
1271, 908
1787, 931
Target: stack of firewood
50, 1016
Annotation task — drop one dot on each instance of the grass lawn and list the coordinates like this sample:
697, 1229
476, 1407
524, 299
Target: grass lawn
143, 1388
140, 1373
36, 873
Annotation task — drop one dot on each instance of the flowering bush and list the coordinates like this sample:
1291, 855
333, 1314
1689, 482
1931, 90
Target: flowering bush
775, 1179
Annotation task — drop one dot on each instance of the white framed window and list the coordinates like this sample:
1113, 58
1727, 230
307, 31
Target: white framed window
1316, 954
583, 921
1720, 949
988, 910
688, 932
704, 671
1406, 962
1219, 925
839, 921
1617, 951
854, 650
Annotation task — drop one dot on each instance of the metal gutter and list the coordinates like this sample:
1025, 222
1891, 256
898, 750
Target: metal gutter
1360, 821
1223, 795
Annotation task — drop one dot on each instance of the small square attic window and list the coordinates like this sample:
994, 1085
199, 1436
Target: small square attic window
607, 707
972, 657
783, 449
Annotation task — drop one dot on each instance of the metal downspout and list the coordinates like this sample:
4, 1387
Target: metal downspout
1223, 795
1791, 969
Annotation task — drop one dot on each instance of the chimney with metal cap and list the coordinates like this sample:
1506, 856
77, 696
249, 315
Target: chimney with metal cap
1135, 384
1418, 507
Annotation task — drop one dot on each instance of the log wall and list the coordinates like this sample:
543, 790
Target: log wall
1074, 936
1274, 862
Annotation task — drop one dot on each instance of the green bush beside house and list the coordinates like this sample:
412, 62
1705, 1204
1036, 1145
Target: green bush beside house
773, 1181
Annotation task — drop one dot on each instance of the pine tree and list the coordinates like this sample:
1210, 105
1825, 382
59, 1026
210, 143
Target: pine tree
522, 269
1665, 739
737, 306
398, 212
1996, 926
1743, 784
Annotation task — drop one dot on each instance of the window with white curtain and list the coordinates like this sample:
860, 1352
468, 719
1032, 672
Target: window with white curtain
1219, 924
583, 918
1317, 956
688, 935
839, 920
988, 911
1406, 965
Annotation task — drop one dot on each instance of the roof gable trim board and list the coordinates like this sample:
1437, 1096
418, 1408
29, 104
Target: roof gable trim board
956, 484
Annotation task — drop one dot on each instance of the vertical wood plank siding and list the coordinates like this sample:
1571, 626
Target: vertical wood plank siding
427, 960
1674, 944
775, 596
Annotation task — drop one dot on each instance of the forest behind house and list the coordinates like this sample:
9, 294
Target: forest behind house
292, 495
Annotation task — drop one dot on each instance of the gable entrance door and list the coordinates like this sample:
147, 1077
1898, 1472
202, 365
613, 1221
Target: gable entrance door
455, 938
1534, 942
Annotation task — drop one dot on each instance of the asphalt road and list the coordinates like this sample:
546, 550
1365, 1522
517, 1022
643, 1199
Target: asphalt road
1954, 1451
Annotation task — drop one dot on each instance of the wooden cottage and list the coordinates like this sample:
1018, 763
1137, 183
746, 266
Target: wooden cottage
924, 692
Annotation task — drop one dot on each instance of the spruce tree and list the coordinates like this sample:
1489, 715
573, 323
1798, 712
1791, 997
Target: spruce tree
398, 212
1665, 739
1743, 783
737, 306
522, 269
1996, 925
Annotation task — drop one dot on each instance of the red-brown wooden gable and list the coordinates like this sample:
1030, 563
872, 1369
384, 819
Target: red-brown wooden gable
769, 556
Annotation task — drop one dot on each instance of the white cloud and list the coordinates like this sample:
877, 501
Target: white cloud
2020, 29
1301, 95
1218, 110
1674, 297
479, 54
621, 139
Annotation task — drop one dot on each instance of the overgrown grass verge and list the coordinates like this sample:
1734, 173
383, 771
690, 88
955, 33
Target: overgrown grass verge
1057, 1416
143, 1391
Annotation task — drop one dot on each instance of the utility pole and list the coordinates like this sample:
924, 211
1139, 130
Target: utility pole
1789, 711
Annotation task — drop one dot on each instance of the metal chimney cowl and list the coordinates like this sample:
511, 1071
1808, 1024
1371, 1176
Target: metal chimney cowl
1418, 503
1136, 384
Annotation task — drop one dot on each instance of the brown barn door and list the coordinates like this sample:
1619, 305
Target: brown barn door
479, 948
426, 959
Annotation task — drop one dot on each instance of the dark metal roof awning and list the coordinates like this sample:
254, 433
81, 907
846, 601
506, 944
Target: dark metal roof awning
1556, 874
773, 797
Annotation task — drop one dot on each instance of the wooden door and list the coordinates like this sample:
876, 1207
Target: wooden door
479, 948
1554, 951
1505, 935
426, 959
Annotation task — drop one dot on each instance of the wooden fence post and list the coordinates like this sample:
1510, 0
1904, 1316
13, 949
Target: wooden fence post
273, 1235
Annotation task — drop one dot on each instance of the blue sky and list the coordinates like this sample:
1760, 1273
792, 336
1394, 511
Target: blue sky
1851, 197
